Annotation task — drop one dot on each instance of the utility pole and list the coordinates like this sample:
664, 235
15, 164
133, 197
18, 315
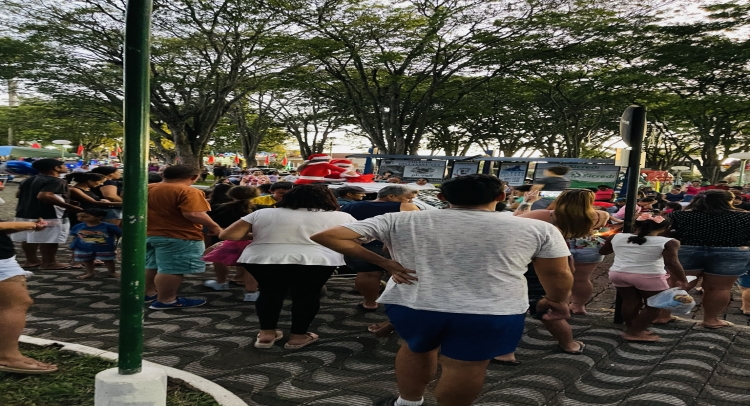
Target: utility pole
12, 102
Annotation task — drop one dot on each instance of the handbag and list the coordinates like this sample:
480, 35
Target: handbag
226, 252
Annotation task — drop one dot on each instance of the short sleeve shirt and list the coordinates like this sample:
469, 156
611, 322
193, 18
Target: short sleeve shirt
553, 183
725, 229
166, 203
461, 267
100, 238
29, 207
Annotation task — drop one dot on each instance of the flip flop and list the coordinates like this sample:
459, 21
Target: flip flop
64, 268
671, 320
578, 352
726, 324
382, 331
654, 339
313, 338
361, 307
27, 371
506, 363
269, 344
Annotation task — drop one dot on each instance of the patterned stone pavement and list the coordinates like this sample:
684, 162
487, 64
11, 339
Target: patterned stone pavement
691, 366
350, 367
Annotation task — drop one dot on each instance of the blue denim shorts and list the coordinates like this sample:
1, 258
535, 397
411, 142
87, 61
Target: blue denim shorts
463, 337
586, 255
744, 281
721, 261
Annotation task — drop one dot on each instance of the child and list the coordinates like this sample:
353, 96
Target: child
94, 240
638, 271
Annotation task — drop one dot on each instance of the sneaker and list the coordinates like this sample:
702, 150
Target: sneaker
181, 303
149, 299
216, 285
251, 297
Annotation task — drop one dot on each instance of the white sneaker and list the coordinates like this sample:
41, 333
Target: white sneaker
251, 297
216, 285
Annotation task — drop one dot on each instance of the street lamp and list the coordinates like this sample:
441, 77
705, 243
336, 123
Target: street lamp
63, 144
743, 157
678, 176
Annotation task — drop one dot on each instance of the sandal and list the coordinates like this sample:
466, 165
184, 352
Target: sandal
313, 338
44, 369
577, 352
726, 324
268, 344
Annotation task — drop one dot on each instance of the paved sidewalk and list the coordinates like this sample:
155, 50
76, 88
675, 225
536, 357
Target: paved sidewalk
350, 367
691, 366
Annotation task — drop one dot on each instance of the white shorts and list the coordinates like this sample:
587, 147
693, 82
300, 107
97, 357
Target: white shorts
10, 268
56, 232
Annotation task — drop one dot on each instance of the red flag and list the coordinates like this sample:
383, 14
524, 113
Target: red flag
211, 159
35, 145
267, 160
284, 161
80, 150
119, 150
237, 159
113, 154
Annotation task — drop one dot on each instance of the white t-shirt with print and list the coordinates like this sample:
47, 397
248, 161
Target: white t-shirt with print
282, 236
467, 261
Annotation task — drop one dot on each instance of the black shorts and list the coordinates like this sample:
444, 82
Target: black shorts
359, 265
536, 291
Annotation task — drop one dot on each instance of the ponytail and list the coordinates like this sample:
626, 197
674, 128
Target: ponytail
645, 224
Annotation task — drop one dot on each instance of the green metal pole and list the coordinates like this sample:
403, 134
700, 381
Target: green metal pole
135, 175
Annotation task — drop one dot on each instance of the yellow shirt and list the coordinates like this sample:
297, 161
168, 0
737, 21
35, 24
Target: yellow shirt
264, 201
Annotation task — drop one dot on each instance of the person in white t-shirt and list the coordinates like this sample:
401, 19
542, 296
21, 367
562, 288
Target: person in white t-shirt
283, 259
423, 182
638, 271
455, 290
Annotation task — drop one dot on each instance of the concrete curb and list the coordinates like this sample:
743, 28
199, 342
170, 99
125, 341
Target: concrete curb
221, 395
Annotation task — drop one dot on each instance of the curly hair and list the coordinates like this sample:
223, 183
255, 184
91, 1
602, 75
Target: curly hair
311, 197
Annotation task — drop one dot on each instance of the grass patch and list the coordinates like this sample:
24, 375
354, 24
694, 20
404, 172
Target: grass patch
73, 384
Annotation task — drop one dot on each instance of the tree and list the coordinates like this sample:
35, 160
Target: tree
701, 94
206, 56
390, 65
46, 120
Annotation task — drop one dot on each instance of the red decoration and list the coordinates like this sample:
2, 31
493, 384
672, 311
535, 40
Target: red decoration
267, 160
285, 161
211, 159
79, 152
35, 145
237, 159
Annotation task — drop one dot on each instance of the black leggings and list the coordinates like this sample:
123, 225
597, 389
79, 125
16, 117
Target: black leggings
302, 282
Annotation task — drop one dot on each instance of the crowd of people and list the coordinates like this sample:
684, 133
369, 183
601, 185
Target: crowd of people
452, 289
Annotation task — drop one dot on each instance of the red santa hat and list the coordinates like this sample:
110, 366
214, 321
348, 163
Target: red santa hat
343, 163
318, 157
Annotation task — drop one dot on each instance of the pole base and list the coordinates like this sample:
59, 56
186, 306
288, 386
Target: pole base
146, 388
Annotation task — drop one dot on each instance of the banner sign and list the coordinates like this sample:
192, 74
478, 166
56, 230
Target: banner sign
513, 174
410, 170
464, 168
584, 175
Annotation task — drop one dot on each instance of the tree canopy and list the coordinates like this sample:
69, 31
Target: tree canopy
547, 77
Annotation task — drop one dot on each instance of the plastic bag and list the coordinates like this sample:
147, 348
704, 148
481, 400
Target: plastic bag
226, 252
674, 299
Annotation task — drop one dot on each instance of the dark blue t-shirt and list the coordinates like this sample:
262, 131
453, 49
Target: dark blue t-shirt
100, 238
367, 209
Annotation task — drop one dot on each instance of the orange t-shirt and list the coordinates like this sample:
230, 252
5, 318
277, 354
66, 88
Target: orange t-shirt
166, 203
